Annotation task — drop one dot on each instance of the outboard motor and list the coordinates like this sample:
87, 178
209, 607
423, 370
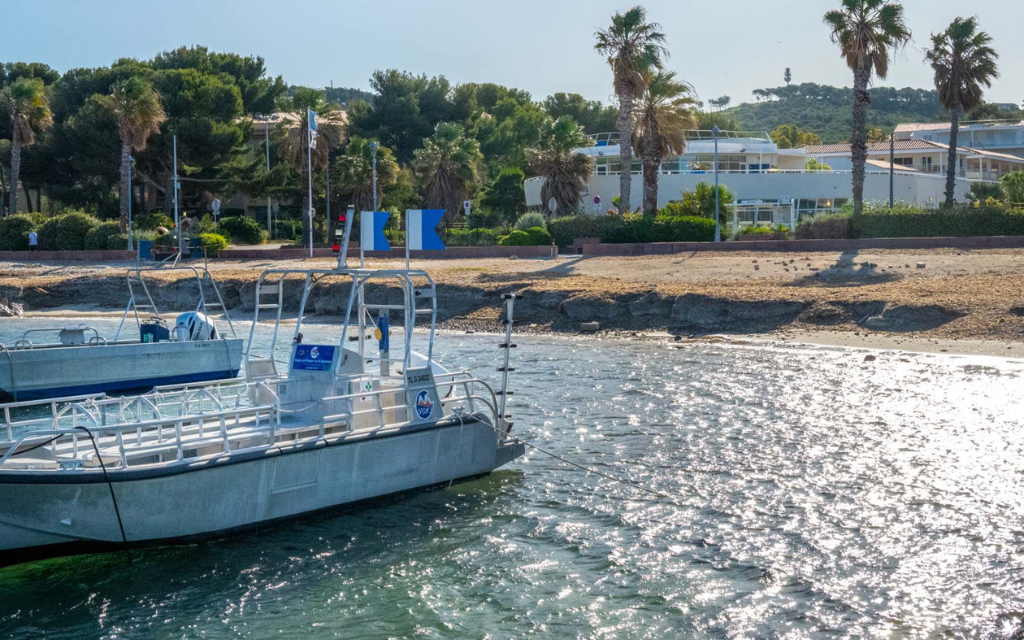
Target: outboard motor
194, 326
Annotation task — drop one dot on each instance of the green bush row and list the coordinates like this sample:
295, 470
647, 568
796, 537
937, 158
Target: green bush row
962, 221
632, 228
14, 230
472, 237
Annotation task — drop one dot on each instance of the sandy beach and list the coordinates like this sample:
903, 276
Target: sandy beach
949, 301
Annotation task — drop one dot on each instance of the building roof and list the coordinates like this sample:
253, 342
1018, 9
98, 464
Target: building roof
901, 145
883, 164
909, 127
907, 145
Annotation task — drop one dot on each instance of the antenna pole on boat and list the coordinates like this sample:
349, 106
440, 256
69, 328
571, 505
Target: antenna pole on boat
343, 258
510, 301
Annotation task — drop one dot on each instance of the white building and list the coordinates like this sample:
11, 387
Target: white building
1001, 136
757, 171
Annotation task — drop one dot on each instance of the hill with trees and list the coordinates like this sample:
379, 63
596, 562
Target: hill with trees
826, 110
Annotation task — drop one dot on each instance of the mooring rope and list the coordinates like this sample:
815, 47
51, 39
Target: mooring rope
110, 486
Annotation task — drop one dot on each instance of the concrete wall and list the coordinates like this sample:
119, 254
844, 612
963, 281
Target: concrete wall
662, 248
68, 256
396, 253
925, 190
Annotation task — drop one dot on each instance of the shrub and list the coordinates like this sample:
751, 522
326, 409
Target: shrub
166, 240
565, 230
66, 232
242, 230
14, 230
539, 236
532, 237
530, 220
288, 229
983, 191
214, 243
1013, 187
473, 237
207, 224
825, 226
756, 230
150, 221
103, 236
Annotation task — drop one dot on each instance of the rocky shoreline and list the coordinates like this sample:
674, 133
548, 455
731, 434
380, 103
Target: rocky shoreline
959, 296
561, 310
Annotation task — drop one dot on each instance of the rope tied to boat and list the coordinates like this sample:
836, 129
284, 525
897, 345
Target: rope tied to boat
110, 487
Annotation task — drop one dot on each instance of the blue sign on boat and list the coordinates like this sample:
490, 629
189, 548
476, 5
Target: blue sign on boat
313, 357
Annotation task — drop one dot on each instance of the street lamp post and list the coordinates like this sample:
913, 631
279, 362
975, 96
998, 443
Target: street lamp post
131, 165
266, 120
373, 153
718, 231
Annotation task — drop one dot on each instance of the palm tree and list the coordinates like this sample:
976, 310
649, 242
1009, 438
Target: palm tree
355, 172
294, 144
963, 62
26, 103
633, 46
867, 31
565, 171
139, 115
447, 168
666, 111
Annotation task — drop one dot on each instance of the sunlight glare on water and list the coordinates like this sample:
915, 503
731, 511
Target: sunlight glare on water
816, 495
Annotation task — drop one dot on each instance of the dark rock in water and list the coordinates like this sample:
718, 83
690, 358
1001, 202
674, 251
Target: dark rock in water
10, 309
870, 358
585, 308
911, 318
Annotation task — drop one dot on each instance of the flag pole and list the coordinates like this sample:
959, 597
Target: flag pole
309, 167
361, 255
406, 239
343, 258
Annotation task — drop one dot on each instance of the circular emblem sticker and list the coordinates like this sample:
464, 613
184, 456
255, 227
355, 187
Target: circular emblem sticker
314, 353
424, 407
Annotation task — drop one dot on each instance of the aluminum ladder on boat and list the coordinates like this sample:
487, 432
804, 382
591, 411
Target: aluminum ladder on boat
268, 296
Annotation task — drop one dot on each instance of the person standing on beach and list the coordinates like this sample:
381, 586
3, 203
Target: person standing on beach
33, 240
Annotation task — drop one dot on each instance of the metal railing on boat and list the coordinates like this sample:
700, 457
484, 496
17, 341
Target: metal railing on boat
179, 426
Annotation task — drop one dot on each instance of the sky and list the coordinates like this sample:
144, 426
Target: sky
728, 47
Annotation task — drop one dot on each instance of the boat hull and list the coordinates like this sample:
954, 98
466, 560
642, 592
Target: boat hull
53, 372
65, 513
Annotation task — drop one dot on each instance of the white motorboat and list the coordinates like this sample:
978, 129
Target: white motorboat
81, 361
340, 425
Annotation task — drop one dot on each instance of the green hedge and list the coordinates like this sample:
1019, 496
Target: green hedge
14, 230
242, 230
942, 223
472, 237
632, 228
910, 222
66, 232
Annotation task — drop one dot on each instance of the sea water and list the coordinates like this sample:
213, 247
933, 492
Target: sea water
811, 493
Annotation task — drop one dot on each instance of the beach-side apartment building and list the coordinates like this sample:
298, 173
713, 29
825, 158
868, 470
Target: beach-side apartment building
752, 166
1000, 136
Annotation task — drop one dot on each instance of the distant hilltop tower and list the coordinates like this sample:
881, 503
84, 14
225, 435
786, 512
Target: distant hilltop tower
788, 76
